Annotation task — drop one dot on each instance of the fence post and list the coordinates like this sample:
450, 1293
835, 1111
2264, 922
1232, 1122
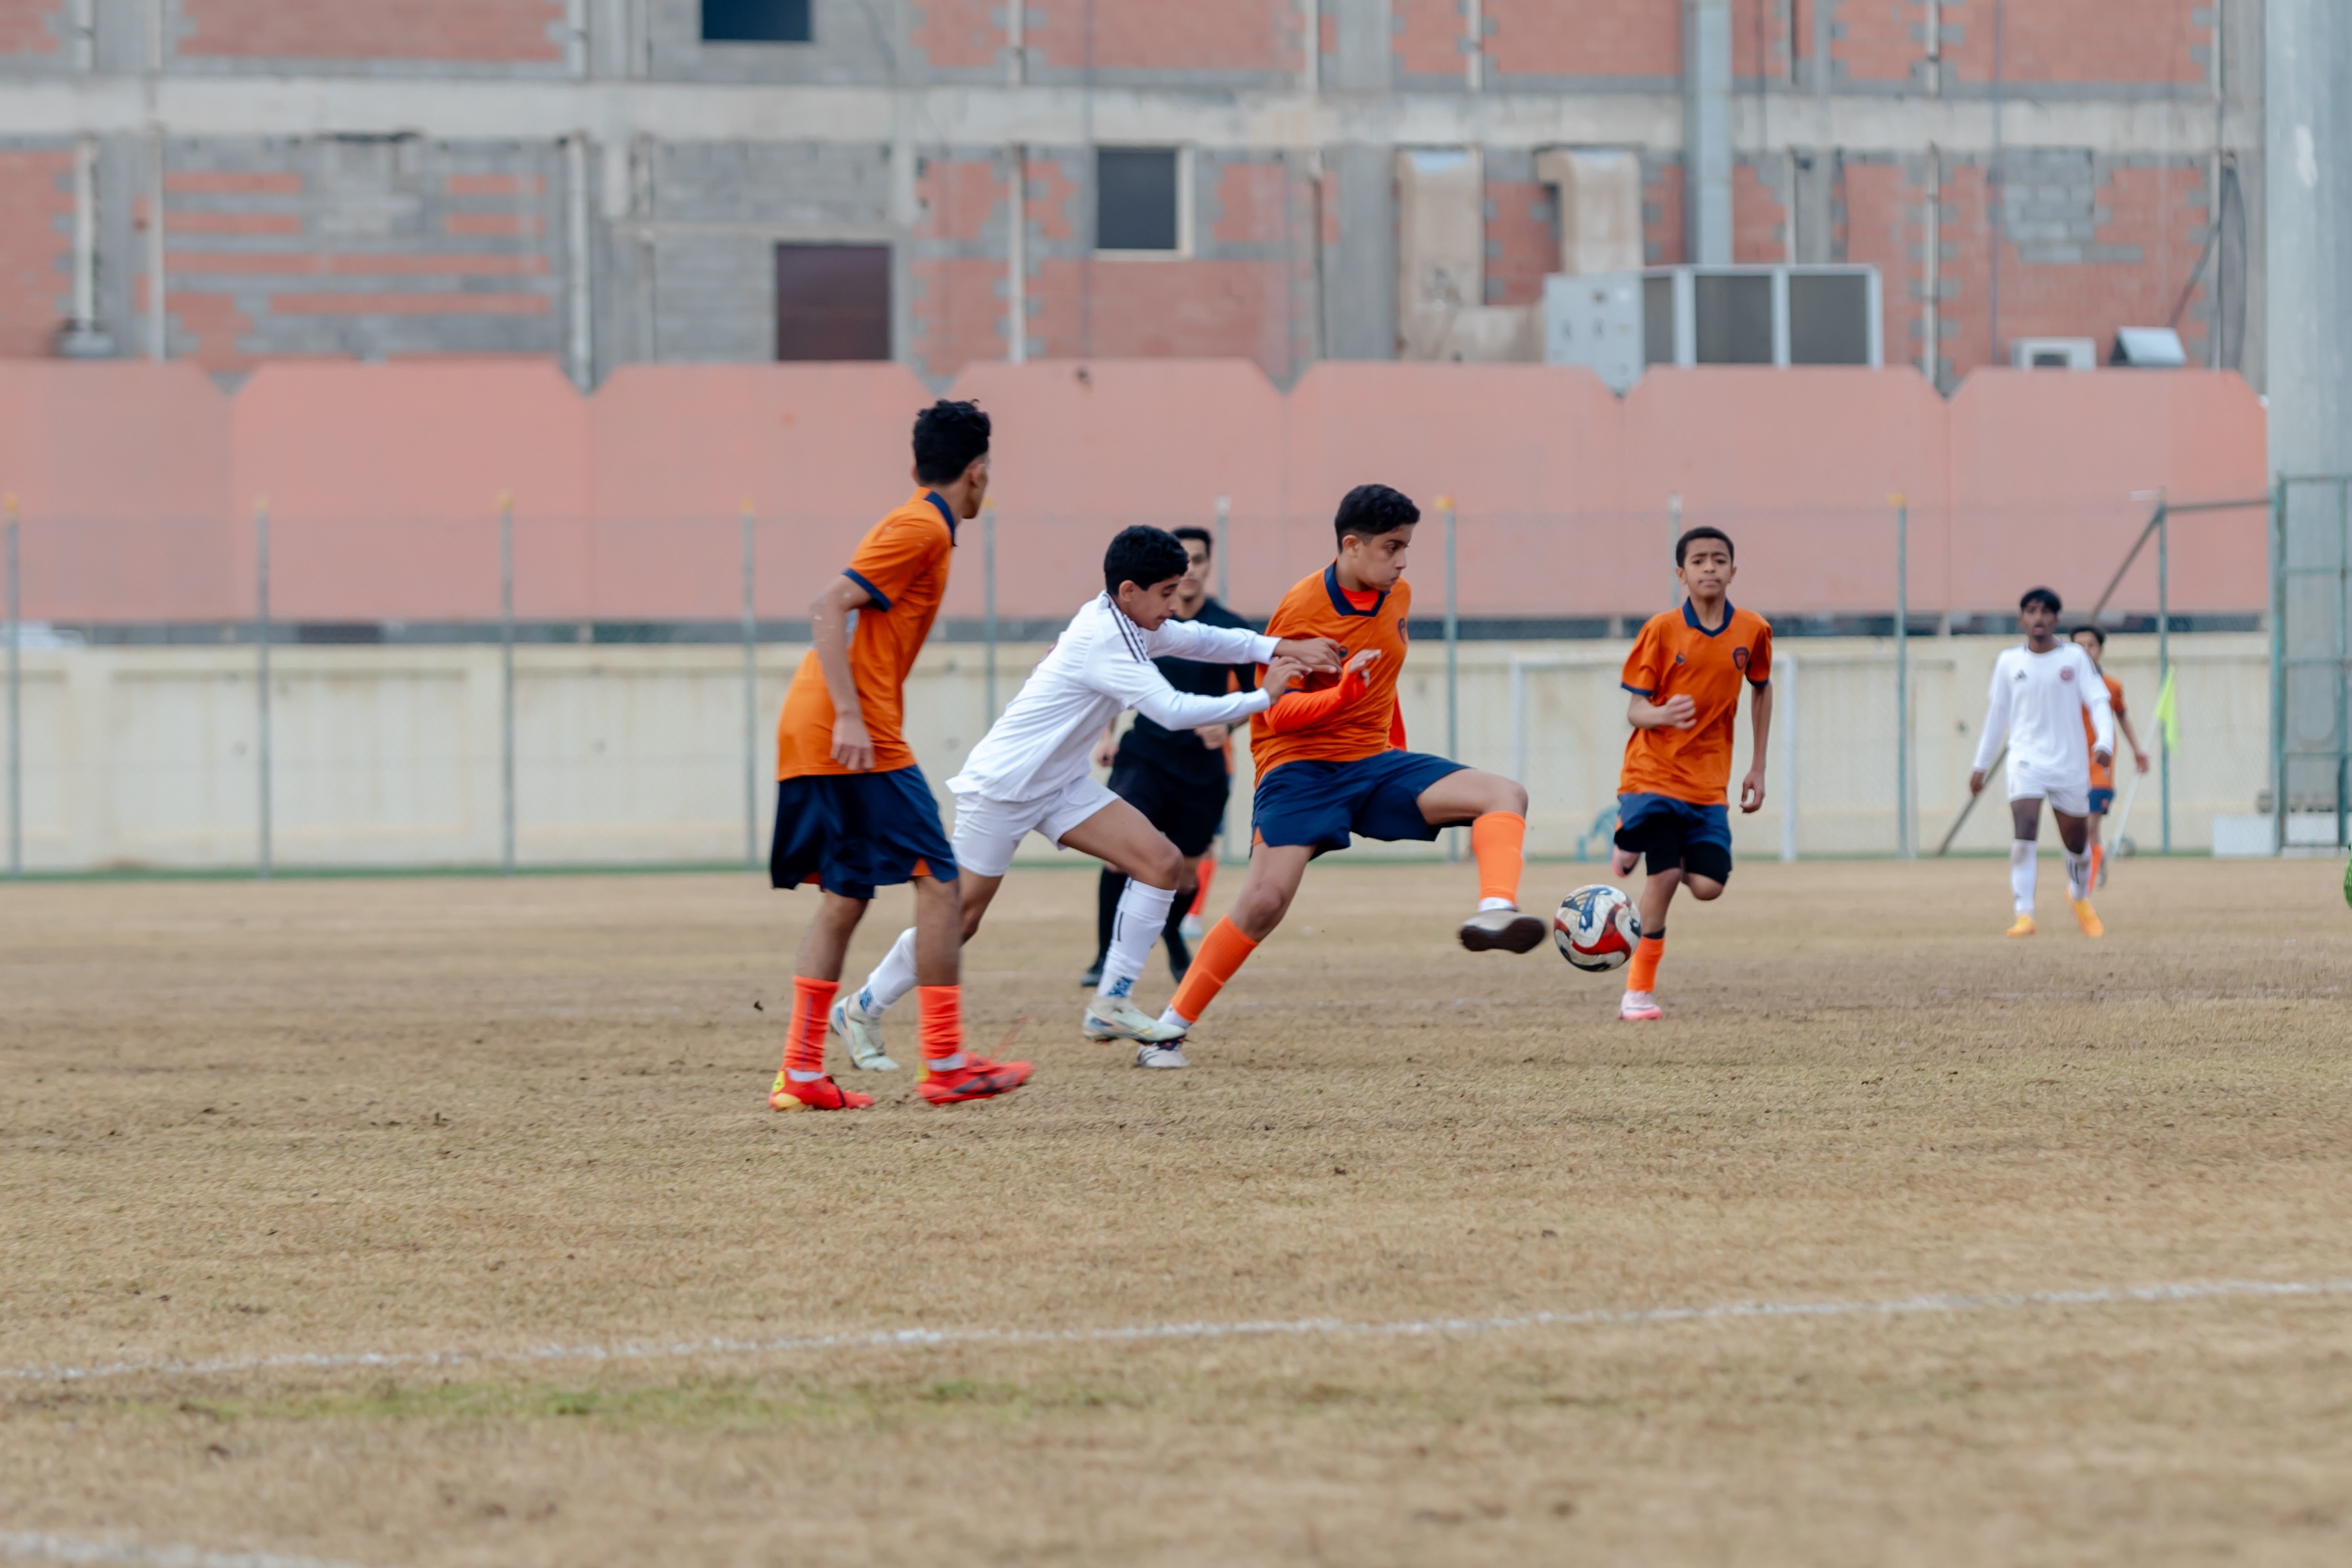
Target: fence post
1784, 728
2164, 657
262, 749
506, 686
751, 694
2343, 658
16, 711
1906, 846
2278, 665
1453, 668
988, 609
1674, 542
1224, 551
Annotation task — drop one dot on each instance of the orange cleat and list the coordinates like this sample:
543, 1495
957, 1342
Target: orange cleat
819, 1094
2022, 926
2088, 918
978, 1079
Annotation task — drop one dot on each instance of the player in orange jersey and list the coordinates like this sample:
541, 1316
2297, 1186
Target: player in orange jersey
2093, 642
852, 808
1330, 762
1685, 674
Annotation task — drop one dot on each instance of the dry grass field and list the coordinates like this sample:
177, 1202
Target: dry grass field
283, 1129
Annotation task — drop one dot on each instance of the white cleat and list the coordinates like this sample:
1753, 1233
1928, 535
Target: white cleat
1190, 928
1513, 931
863, 1036
1118, 1019
1638, 1008
1161, 1056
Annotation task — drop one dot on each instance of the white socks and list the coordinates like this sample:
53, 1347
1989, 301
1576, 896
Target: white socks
2023, 861
1142, 916
892, 978
2078, 875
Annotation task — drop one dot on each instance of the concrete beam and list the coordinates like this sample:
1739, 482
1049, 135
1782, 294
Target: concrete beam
462, 109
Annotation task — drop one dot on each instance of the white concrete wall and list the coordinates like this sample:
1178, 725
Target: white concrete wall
389, 756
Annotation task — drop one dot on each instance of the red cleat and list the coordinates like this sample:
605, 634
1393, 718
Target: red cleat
819, 1094
978, 1079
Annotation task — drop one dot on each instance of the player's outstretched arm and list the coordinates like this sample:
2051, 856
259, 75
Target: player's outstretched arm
853, 748
1295, 711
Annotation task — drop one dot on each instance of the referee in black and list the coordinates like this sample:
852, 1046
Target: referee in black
1178, 778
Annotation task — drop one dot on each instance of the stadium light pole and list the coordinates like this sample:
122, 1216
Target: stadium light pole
1453, 668
506, 686
16, 711
262, 865
751, 694
1224, 552
2163, 661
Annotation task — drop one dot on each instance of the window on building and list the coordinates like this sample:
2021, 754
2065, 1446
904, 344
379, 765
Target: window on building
757, 22
832, 302
1138, 199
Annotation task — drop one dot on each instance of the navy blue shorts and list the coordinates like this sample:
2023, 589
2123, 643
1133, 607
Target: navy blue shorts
1322, 803
858, 832
1676, 834
2102, 801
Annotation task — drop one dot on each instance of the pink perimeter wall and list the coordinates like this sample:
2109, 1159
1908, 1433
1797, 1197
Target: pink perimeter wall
137, 484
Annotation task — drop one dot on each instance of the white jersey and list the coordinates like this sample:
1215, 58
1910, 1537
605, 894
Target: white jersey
2037, 702
1101, 665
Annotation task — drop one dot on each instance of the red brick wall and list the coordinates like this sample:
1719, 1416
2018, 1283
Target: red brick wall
1522, 241
1149, 310
1874, 40
959, 34
1759, 219
956, 309
1885, 219
2143, 41
502, 30
1252, 203
1153, 35
1760, 39
1428, 37
1590, 37
35, 249
31, 27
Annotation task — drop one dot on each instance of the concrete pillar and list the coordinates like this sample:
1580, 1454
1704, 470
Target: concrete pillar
2307, 145
1359, 272
1706, 129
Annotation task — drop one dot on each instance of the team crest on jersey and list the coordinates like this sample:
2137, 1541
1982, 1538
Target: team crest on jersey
2067, 673
1678, 658
1739, 658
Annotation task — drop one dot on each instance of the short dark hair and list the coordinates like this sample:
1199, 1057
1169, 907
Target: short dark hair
1703, 531
1208, 542
2094, 631
1369, 510
2049, 596
1143, 556
948, 437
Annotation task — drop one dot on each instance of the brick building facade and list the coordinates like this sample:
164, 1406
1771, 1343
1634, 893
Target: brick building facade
945, 181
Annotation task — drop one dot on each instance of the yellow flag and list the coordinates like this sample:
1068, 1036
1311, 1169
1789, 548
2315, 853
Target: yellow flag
2168, 714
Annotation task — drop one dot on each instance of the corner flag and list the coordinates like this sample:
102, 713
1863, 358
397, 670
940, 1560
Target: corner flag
2168, 714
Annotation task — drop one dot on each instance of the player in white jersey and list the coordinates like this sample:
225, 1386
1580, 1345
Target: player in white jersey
2040, 692
1031, 773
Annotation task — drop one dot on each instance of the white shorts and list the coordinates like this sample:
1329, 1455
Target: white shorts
988, 831
2069, 795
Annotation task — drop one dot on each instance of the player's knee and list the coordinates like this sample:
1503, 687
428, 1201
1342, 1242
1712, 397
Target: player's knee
1259, 909
1512, 797
1702, 887
1161, 866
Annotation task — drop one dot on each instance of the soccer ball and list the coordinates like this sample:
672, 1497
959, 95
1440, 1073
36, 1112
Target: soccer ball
1596, 928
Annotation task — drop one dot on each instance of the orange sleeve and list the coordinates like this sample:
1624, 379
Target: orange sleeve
1760, 658
1297, 711
892, 555
1643, 673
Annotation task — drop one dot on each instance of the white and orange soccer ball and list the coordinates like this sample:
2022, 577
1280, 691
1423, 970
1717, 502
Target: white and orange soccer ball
1596, 928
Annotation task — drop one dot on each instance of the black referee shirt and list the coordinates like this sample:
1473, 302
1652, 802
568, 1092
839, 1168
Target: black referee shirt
1180, 751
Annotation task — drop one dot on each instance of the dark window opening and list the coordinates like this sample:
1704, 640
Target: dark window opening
1828, 318
1135, 198
757, 22
1735, 318
832, 302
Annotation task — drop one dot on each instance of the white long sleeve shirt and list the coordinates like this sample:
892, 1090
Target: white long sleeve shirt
2037, 702
1101, 666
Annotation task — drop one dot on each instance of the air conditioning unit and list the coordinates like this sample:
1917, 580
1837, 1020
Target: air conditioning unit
2055, 353
1615, 323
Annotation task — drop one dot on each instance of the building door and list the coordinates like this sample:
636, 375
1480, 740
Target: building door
832, 302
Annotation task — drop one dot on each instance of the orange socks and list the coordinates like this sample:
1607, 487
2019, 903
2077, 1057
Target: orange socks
804, 1036
940, 1031
1208, 873
1499, 841
1222, 953
1642, 975
2098, 853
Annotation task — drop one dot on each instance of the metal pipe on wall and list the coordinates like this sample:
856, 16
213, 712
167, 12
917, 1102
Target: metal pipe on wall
1016, 256
750, 690
575, 230
506, 687
16, 711
158, 322
1905, 839
1452, 664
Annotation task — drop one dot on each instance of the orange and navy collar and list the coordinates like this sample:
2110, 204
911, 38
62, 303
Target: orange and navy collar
1690, 618
946, 512
1339, 605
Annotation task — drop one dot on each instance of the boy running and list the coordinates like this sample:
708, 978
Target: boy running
1029, 772
1331, 762
852, 808
1178, 778
2093, 641
2041, 694
1685, 674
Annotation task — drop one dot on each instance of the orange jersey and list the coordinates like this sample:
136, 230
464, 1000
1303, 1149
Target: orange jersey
1362, 725
902, 565
2104, 777
1674, 657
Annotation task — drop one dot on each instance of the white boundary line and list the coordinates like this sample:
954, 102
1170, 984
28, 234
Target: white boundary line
75, 1549
926, 1339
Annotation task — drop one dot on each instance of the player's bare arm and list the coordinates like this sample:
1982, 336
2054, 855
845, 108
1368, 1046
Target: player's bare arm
1677, 712
853, 748
1760, 712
